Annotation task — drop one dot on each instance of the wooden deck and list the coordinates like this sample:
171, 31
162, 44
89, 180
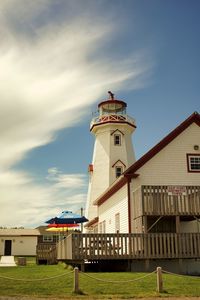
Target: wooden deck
46, 254
78, 246
167, 200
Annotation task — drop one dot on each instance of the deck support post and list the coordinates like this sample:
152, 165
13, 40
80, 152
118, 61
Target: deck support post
76, 280
147, 264
82, 267
159, 280
180, 263
177, 224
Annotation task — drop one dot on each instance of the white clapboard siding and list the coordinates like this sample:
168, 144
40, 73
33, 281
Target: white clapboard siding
169, 166
117, 203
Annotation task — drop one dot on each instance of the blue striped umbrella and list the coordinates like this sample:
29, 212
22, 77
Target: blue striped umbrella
67, 217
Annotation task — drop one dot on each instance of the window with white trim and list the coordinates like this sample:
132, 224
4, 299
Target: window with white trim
100, 227
193, 163
104, 226
117, 222
118, 171
117, 139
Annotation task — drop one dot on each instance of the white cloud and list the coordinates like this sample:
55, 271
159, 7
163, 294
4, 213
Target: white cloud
49, 78
50, 72
70, 181
25, 203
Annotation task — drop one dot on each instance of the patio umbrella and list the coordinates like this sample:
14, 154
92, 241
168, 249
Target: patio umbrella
61, 229
62, 225
67, 217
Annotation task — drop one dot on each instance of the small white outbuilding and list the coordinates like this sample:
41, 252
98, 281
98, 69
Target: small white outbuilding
18, 241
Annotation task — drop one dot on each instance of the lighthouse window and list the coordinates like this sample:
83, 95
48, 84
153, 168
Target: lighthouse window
117, 139
118, 171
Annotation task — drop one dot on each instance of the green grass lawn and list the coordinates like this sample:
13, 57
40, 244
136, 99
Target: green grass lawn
91, 287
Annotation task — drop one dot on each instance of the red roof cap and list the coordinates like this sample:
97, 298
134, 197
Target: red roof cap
115, 101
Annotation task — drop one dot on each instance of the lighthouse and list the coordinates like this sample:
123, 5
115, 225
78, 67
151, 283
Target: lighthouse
113, 151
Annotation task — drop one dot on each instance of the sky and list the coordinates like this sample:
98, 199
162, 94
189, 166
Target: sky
58, 59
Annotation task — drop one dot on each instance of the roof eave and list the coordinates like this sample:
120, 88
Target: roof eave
92, 222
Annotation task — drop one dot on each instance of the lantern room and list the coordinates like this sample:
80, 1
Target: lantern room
111, 111
112, 106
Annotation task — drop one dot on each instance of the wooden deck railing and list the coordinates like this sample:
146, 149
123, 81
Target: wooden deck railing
129, 246
170, 200
46, 253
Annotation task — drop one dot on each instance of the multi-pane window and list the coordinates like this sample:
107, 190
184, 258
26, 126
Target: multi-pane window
117, 139
193, 163
118, 171
47, 238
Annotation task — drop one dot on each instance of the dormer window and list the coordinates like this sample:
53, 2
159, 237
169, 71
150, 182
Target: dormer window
118, 171
193, 161
119, 168
117, 139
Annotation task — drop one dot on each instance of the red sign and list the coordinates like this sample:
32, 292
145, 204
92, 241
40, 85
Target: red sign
176, 190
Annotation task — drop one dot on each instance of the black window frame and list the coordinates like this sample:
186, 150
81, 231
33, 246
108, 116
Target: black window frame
116, 171
117, 139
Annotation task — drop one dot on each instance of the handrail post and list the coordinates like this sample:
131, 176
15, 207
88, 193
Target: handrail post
76, 280
159, 280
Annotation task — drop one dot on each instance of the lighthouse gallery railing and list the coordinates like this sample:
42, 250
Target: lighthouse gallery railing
112, 118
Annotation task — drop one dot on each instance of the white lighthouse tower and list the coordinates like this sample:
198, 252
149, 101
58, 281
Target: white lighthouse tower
113, 150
